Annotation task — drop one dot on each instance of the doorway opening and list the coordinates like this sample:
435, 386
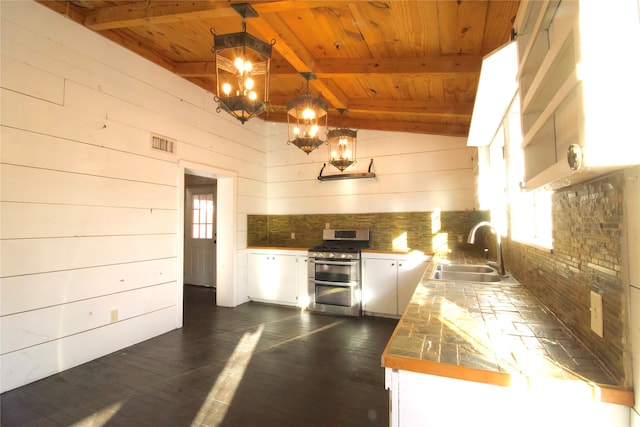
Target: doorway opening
216, 222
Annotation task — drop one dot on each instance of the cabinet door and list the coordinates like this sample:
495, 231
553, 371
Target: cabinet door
285, 280
379, 287
260, 276
409, 274
272, 277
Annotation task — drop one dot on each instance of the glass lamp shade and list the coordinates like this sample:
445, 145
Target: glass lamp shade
242, 73
342, 147
307, 120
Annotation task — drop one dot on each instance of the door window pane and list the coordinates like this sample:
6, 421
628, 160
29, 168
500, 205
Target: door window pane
202, 216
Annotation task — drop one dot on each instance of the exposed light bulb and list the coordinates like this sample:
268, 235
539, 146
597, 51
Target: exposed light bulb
308, 114
226, 88
239, 64
253, 96
296, 131
249, 83
314, 130
248, 66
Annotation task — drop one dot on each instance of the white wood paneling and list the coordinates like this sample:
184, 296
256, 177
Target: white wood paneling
252, 188
422, 182
47, 186
33, 291
50, 119
29, 328
28, 256
34, 220
222, 147
91, 215
413, 173
27, 365
397, 202
33, 81
46, 152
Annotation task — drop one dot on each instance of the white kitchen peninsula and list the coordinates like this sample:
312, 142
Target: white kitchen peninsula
389, 279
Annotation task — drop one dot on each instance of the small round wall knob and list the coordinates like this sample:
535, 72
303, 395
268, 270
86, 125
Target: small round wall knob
574, 157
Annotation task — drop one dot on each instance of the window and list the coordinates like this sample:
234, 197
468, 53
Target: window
202, 216
530, 211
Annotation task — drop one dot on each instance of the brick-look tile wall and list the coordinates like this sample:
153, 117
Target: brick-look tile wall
275, 230
587, 230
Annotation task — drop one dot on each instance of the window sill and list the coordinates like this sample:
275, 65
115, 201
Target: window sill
542, 245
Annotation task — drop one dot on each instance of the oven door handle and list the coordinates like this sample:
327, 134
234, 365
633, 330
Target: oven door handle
354, 262
340, 284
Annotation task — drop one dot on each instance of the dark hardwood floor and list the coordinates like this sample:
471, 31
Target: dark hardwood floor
253, 365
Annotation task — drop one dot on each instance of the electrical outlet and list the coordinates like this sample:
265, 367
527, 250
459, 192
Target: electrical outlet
293, 236
114, 316
327, 225
597, 321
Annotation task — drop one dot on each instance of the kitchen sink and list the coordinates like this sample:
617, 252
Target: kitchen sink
466, 273
470, 268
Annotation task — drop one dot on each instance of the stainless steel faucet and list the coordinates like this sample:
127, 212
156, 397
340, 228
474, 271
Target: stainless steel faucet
472, 237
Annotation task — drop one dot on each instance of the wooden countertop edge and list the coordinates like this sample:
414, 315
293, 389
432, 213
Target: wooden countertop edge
390, 251
598, 392
276, 248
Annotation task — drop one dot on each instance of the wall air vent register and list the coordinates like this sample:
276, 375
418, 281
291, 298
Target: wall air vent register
161, 143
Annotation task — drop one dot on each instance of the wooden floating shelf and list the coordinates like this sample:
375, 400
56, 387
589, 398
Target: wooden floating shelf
348, 175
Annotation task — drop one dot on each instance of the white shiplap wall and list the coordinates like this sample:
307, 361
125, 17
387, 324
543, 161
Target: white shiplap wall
90, 225
413, 173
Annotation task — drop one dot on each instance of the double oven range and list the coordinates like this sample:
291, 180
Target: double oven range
335, 267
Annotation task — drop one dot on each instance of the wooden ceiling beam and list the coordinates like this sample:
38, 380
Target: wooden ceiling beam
430, 108
65, 8
163, 12
155, 12
387, 125
341, 68
347, 68
391, 107
272, 27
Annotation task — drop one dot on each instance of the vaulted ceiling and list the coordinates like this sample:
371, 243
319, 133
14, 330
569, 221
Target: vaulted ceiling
397, 65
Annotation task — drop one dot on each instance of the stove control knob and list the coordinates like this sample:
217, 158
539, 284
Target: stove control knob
331, 255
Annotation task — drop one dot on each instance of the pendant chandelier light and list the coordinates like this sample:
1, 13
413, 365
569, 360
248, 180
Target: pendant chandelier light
242, 69
307, 119
342, 146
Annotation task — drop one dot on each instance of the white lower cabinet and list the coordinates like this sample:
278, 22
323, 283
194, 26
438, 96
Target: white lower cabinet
273, 276
417, 399
389, 280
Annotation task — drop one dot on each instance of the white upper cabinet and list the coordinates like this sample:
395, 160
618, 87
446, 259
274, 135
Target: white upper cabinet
578, 68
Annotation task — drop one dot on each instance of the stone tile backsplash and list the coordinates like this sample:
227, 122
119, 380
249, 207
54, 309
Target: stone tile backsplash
587, 254
414, 228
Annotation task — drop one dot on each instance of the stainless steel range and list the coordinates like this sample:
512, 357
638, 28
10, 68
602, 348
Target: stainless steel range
335, 272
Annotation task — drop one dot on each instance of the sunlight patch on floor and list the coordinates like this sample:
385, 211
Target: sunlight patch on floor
101, 417
217, 402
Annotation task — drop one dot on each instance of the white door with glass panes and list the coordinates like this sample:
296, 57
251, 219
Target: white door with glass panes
200, 236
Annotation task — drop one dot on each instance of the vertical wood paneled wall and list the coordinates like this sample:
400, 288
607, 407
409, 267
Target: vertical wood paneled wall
90, 214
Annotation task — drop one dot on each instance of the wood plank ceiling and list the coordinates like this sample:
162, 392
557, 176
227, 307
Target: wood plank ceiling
396, 65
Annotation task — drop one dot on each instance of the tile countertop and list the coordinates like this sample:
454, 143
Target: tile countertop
494, 334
